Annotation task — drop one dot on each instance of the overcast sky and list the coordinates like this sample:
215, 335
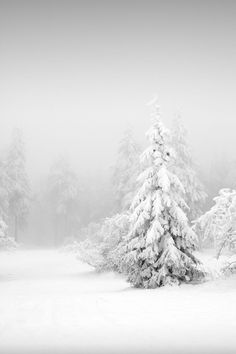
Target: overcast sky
75, 74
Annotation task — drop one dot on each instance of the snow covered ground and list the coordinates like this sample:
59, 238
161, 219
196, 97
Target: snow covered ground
51, 303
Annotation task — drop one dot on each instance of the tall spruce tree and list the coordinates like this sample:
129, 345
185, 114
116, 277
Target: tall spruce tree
160, 242
184, 168
18, 184
126, 171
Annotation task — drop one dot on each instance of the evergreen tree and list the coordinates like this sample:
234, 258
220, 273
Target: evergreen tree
64, 197
218, 225
160, 242
126, 171
18, 184
4, 189
183, 167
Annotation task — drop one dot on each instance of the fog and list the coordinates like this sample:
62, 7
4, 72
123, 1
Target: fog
82, 222
76, 74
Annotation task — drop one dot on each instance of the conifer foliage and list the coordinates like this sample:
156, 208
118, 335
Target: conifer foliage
160, 242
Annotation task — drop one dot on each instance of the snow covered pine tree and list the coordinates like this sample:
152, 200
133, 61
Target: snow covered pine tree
160, 242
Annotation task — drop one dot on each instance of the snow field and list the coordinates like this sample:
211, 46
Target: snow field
51, 303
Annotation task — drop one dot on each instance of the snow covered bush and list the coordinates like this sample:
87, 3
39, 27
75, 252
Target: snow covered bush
89, 252
87, 247
114, 230
184, 168
218, 225
160, 242
101, 251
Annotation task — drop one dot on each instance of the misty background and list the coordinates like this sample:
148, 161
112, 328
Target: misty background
75, 75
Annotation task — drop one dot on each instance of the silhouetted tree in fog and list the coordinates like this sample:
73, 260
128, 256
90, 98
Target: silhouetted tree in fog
64, 199
4, 189
17, 184
185, 169
126, 171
